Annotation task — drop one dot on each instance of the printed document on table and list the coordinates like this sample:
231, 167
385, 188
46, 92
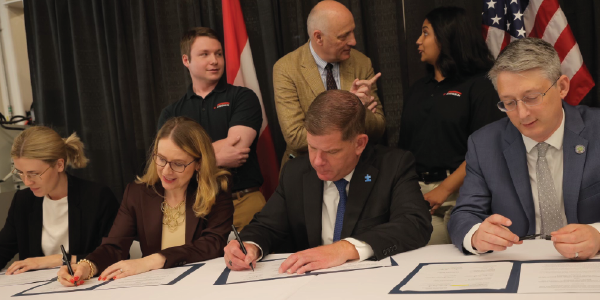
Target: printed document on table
55, 287
154, 277
28, 277
461, 276
264, 270
356, 265
560, 277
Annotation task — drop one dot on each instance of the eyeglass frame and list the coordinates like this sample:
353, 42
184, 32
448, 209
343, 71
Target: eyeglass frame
29, 176
524, 103
155, 155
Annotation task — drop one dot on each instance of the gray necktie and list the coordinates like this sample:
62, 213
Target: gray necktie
549, 206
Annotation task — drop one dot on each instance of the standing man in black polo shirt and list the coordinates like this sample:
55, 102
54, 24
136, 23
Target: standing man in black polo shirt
231, 115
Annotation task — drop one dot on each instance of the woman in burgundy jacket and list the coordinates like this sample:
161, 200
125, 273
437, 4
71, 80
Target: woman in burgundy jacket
180, 210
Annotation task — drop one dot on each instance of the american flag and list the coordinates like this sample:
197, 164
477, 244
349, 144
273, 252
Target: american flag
507, 20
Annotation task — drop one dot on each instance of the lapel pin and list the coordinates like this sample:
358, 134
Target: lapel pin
579, 149
368, 178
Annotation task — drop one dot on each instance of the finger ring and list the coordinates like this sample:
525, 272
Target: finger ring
576, 254
121, 270
230, 263
58, 279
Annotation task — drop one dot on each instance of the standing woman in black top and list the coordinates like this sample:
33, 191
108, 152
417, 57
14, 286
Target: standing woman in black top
57, 208
445, 107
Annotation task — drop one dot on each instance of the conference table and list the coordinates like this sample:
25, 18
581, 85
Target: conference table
360, 284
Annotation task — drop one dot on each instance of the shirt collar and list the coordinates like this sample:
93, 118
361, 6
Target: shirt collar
430, 77
555, 140
221, 86
347, 177
320, 62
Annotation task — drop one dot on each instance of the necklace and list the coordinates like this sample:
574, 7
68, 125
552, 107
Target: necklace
173, 216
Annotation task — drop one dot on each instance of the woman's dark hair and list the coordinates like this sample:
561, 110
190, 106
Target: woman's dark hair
463, 51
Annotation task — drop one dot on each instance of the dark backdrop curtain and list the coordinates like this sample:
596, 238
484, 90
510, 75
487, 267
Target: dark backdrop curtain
106, 68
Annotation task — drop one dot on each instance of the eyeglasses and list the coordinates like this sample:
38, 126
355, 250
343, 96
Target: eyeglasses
30, 177
532, 99
175, 166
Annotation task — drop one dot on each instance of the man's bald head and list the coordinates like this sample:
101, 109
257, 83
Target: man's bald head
330, 27
324, 13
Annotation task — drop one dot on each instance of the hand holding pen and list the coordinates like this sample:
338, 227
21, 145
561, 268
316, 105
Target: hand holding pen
237, 237
240, 256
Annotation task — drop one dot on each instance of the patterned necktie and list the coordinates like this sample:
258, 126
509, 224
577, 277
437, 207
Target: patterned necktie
339, 218
549, 206
330, 81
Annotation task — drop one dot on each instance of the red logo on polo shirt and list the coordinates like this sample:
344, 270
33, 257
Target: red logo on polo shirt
453, 93
222, 104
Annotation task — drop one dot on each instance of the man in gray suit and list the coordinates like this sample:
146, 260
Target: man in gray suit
536, 172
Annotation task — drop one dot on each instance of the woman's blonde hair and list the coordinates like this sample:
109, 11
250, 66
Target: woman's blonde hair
190, 137
45, 144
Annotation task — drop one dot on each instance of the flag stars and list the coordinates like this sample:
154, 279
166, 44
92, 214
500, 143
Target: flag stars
514, 1
491, 4
521, 32
518, 15
507, 26
505, 8
496, 20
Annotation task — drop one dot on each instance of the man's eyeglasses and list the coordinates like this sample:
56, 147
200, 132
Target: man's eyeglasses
30, 176
175, 166
532, 99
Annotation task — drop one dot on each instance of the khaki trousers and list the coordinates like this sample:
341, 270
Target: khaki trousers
440, 219
246, 207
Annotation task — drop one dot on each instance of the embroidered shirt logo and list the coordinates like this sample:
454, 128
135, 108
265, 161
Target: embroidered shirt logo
222, 104
453, 93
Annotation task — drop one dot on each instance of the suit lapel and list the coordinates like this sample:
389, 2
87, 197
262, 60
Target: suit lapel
347, 74
313, 207
573, 163
152, 219
516, 159
310, 72
36, 219
362, 182
191, 221
74, 198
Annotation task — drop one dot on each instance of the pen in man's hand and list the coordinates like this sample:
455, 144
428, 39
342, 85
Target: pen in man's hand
66, 260
533, 236
237, 237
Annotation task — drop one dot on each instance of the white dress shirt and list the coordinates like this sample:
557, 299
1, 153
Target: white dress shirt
321, 67
55, 225
331, 199
554, 157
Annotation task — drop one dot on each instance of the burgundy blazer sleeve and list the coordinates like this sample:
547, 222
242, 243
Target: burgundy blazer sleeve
116, 246
210, 236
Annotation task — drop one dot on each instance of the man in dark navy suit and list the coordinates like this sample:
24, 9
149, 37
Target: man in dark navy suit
344, 201
536, 172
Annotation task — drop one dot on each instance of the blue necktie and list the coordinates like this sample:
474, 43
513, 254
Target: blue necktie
339, 218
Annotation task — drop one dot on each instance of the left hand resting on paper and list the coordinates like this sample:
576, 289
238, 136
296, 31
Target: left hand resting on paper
130, 267
577, 241
321, 257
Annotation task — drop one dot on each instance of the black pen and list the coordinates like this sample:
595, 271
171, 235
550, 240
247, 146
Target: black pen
66, 260
237, 237
533, 236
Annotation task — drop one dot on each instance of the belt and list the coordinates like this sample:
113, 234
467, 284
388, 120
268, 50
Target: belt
435, 176
244, 192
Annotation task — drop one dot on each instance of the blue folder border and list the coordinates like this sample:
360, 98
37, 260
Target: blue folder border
222, 280
512, 285
180, 277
